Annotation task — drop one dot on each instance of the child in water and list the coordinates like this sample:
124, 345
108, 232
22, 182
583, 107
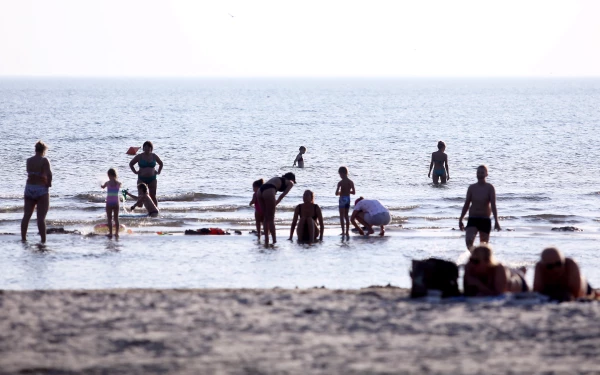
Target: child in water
112, 187
144, 200
344, 188
258, 213
299, 158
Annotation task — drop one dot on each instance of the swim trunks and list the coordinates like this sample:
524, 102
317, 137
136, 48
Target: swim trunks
344, 201
382, 218
35, 192
439, 172
482, 224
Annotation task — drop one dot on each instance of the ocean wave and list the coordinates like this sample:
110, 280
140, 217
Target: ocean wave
553, 218
190, 197
9, 209
510, 197
403, 208
183, 197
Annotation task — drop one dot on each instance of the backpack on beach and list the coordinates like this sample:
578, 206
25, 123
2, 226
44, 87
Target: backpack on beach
435, 274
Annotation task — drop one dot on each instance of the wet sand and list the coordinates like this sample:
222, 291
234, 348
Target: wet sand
276, 331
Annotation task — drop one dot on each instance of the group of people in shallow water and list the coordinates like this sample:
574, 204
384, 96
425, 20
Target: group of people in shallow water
308, 218
555, 275
39, 180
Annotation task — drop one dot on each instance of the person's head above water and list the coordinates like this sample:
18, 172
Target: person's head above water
40, 147
112, 173
482, 172
441, 146
302, 149
552, 259
308, 197
358, 200
149, 145
258, 183
343, 171
290, 176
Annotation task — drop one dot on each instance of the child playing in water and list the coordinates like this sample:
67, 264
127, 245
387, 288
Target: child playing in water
299, 158
258, 213
144, 200
112, 187
344, 189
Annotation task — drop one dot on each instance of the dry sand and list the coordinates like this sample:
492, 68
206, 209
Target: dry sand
316, 331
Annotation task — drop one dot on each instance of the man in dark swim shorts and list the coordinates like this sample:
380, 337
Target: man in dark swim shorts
481, 203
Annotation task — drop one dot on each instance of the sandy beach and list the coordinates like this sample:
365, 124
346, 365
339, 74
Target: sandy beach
278, 331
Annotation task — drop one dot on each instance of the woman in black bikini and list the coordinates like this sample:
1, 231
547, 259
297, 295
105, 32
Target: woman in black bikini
309, 214
146, 173
36, 190
267, 201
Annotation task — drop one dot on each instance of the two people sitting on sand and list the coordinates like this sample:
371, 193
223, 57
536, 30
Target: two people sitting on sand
555, 276
370, 212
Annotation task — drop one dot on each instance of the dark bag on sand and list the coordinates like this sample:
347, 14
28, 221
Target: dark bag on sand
436, 274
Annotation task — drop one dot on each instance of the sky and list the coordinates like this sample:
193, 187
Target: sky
194, 38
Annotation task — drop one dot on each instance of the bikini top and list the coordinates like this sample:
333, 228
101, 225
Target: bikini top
283, 185
147, 164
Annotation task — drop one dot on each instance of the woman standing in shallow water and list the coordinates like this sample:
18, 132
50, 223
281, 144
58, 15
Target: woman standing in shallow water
39, 180
439, 163
266, 198
146, 172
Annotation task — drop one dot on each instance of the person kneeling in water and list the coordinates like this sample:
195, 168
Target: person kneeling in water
486, 277
144, 200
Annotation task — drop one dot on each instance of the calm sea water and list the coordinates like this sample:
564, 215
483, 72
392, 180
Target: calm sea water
217, 136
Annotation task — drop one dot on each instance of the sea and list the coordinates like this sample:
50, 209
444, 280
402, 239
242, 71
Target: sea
216, 136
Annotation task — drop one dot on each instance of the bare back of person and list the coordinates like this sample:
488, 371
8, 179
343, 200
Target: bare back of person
346, 186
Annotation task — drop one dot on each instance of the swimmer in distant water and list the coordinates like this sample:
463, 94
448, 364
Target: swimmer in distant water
486, 277
344, 188
39, 180
559, 277
439, 164
112, 187
299, 158
144, 200
258, 212
481, 198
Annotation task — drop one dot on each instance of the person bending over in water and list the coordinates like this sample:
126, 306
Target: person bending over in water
344, 188
486, 277
258, 212
146, 173
309, 214
39, 180
112, 187
559, 277
439, 164
370, 212
267, 201
144, 200
299, 158
481, 198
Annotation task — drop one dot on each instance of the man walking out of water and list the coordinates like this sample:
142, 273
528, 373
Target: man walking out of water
481, 198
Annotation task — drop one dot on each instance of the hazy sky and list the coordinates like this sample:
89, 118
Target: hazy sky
301, 38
